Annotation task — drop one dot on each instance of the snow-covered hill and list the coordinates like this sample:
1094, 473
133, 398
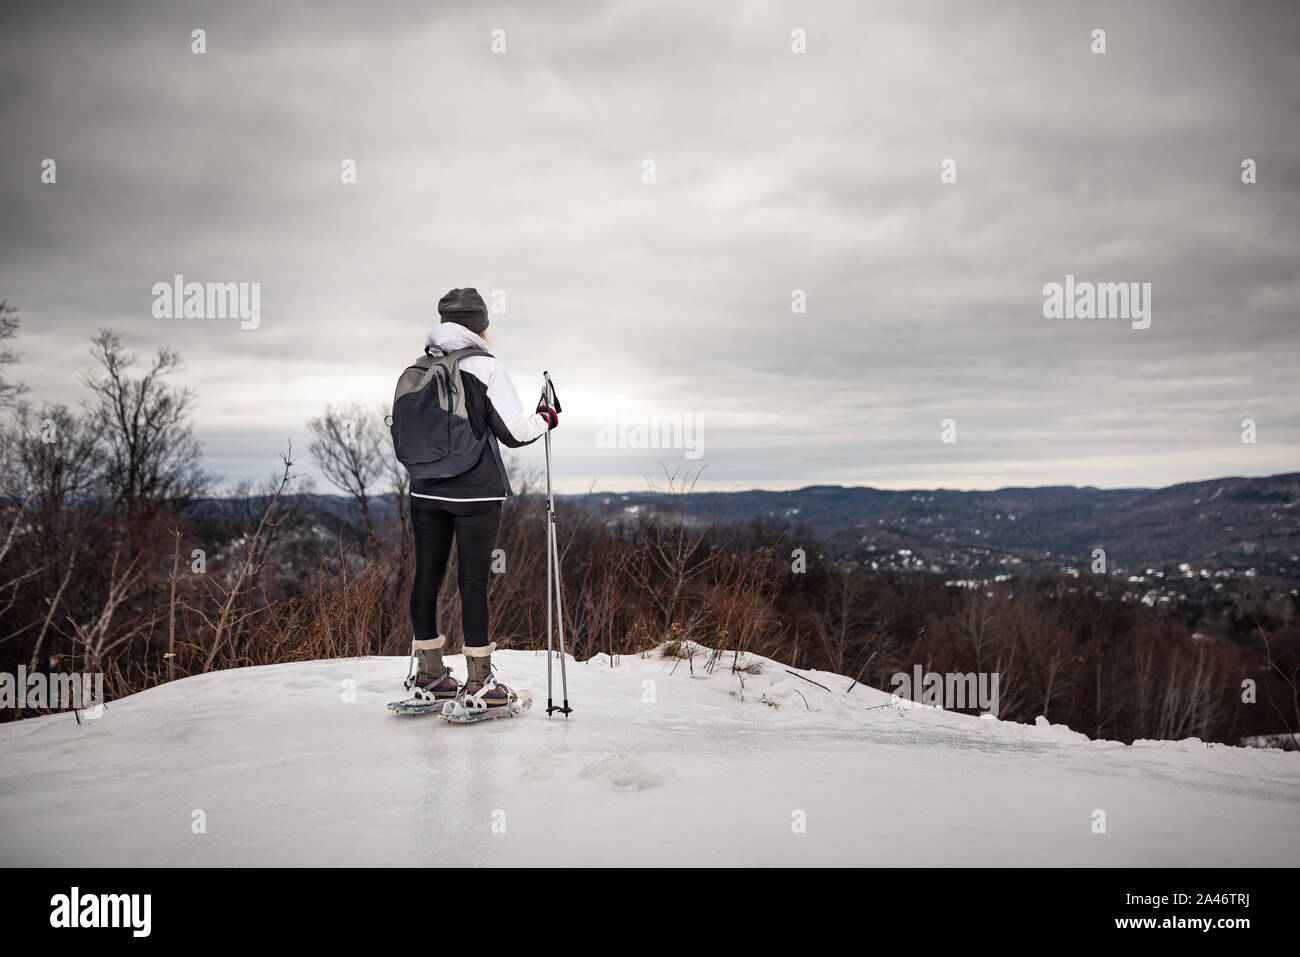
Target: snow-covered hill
302, 764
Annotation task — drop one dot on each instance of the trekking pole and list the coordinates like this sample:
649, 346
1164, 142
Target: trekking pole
549, 619
553, 569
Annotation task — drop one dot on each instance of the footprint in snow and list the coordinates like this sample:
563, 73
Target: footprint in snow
624, 772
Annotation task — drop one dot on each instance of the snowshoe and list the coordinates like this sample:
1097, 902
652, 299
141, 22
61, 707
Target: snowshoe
491, 700
429, 694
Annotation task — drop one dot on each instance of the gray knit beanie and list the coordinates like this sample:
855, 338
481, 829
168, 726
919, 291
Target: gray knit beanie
464, 307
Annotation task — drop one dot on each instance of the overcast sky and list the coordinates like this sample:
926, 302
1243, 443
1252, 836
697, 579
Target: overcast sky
775, 171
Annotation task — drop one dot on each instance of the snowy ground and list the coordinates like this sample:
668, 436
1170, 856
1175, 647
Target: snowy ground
655, 767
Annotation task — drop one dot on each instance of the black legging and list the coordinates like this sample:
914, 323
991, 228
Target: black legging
475, 526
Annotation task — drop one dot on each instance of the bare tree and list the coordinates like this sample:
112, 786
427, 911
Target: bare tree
847, 620
9, 321
1049, 655
1290, 675
60, 459
59, 462
232, 598
96, 634
349, 448
152, 455
674, 540
980, 623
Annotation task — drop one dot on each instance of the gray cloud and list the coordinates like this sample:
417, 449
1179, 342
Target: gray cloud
820, 172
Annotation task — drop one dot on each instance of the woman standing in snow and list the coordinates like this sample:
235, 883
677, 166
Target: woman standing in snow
466, 507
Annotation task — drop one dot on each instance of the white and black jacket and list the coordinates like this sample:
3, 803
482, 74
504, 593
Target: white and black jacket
492, 404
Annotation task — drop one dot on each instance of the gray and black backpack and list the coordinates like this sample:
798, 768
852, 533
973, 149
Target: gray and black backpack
431, 432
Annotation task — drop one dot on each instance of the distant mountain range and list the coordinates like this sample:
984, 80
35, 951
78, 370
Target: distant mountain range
1242, 523
1245, 526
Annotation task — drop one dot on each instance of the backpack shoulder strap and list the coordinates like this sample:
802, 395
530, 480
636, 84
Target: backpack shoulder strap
450, 361
467, 352
459, 353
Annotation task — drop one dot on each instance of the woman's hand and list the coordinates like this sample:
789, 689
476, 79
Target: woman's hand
551, 416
